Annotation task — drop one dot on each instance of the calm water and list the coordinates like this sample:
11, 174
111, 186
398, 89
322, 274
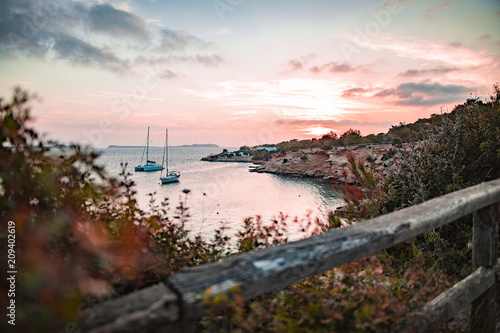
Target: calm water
222, 191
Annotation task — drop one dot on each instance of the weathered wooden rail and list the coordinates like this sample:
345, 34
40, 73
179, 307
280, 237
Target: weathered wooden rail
172, 305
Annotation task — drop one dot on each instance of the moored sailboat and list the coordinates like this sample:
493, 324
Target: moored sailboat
150, 165
170, 176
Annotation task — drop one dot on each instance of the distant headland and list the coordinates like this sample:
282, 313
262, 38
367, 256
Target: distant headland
195, 145
200, 145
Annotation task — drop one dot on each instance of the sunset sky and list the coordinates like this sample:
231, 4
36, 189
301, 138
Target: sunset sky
243, 72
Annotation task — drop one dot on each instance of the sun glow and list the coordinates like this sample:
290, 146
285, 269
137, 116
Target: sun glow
316, 130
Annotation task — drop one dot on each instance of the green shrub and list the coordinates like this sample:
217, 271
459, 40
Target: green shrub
81, 238
459, 149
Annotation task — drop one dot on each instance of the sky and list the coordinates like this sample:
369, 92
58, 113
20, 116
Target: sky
243, 72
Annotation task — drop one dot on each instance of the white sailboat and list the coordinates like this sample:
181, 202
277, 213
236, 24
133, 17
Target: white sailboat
150, 165
170, 176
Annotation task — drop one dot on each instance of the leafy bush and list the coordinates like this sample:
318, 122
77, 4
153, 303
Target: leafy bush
458, 150
462, 150
81, 236
375, 293
356, 297
261, 155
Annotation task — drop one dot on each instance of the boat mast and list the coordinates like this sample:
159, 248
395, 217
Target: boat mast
147, 148
166, 147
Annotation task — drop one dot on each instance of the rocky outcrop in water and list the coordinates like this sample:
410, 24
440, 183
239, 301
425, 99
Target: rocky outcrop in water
328, 165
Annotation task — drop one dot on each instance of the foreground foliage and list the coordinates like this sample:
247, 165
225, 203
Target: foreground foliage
455, 151
81, 237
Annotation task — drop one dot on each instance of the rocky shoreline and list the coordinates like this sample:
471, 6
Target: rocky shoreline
331, 165
240, 159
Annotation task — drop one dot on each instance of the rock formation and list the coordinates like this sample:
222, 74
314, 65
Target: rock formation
328, 165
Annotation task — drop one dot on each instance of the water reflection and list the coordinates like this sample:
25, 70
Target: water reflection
224, 191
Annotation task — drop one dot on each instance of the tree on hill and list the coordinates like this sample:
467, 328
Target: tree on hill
330, 136
350, 137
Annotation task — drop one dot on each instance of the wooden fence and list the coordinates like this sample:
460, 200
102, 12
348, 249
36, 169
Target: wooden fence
173, 305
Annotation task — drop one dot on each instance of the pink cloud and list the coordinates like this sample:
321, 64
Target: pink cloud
298, 63
334, 67
424, 49
429, 13
22, 82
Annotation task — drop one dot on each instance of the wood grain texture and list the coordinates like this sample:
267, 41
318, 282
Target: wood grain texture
256, 272
484, 254
450, 302
485, 236
272, 268
145, 310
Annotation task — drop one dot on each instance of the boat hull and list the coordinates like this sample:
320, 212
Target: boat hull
149, 167
170, 178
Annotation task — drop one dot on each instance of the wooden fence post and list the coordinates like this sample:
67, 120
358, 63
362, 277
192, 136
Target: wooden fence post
174, 306
152, 309
485, 253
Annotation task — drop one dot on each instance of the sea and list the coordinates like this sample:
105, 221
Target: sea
223, 192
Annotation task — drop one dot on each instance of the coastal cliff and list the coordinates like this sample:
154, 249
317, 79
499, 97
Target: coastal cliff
328, 165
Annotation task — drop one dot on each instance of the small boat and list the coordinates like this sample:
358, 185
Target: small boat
150, 165
170, 176
253, 168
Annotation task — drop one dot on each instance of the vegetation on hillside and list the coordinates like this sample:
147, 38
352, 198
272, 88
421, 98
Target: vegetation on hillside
444, 153
457, 150
397, 134
81, 237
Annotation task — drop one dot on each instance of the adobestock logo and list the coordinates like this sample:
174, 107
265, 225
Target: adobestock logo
221, 7
372, 28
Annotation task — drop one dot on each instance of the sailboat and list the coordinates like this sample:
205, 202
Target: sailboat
150, 165
170, 176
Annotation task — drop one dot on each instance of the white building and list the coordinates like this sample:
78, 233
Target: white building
267, 148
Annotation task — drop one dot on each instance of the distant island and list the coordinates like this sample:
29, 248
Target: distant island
200, 145
195, 145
